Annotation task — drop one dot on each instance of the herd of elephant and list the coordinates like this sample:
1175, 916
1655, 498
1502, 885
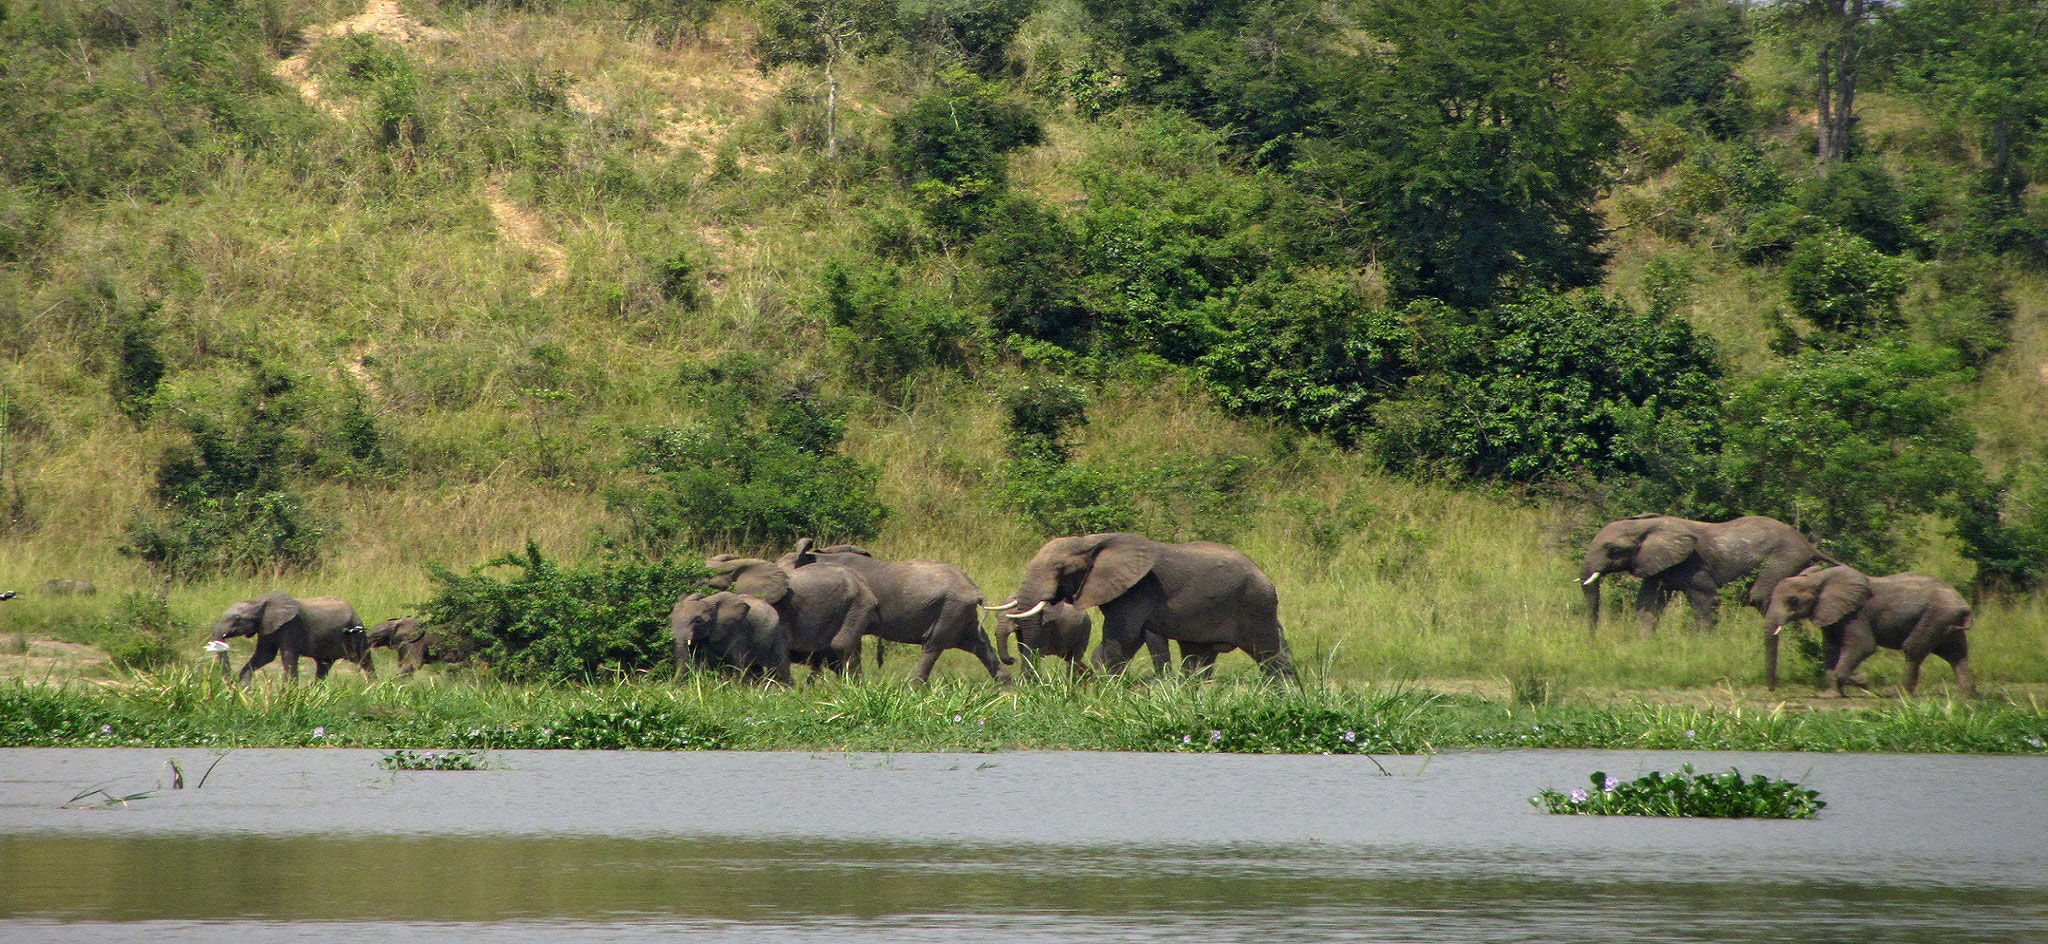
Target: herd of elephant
814, 605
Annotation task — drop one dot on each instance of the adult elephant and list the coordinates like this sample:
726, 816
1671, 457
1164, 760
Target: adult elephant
1204, 593
1696, 558
1915, 613
926, 603
826, 608
324, 629
414, 644
730, 630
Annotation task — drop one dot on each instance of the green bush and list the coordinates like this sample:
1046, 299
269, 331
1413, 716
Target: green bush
548, 622
141, 634
1843, 285
891, 331
1860, 197
761, 471
1031, 275
1040, 416
950, 148
1686, 793
1304, 346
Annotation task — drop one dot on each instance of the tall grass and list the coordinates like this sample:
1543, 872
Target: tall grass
196, 708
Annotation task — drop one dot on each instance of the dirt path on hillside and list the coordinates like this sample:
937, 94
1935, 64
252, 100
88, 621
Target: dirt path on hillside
523, 229
380, 17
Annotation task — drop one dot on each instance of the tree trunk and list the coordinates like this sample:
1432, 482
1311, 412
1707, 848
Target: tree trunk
1835, 75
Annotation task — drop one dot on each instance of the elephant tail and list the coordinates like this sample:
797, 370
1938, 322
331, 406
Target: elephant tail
881, 646
1819, 554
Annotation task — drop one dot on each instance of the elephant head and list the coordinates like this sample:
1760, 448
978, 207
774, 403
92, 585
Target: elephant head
266, 615
749, 575
1825, 595
404, 635
721, 629
1642, 546
1082, 572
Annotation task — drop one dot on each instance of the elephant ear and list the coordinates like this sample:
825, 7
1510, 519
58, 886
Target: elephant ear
409, 631
278, 609
1661, 550
1121, 560
1843, 591
802, 555
759, 578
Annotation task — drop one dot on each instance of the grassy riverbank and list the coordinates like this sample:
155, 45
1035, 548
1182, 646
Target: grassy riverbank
195, 709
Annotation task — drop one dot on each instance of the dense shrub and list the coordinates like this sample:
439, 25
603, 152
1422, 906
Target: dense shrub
2003, 526
1305, 346
762, 470
548, 622
1031, 275
1690, 53
1041, 415
890, 329
950, 146
1849, 445
1843, 285
1860, 197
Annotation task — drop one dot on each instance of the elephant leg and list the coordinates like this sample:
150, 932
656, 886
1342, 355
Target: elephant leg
1123, 631
1198, 660
959, 627
1705, 599
320, 667
1650, 602
1955, 650
1161, 657
925, 660
1856, 647
265, 652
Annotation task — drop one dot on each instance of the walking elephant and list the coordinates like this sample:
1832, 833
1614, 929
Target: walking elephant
926, 603
1696, 558
1203, 593
1856, 614
730, 630
415, 644
324, 629
1063, 630
826, 608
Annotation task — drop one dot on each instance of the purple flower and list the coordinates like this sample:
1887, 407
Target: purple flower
1187, 739
1579, 795
1351, 736
320, 732
1689, 733
1611, 783
1215, 735
106, 729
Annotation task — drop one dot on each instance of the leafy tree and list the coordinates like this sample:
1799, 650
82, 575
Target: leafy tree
763, 469
2003, 525
1031, 274
822, 33
1838, 32
951, 147
1849, 445
1690, 51
891, 331
1469, 150
1842, 284
977, 31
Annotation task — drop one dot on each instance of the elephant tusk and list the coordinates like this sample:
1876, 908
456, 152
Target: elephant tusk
1777, 629
1589, 581
1006, 604
218, 646
1030, 612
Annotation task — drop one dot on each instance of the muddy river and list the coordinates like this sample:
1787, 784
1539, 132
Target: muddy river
789, 847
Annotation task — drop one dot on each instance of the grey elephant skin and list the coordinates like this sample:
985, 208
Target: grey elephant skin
825, 607
927, 603
1063, 630
415, 645
731, 631
324, 629
1696, 558
1915, 613
1202, 593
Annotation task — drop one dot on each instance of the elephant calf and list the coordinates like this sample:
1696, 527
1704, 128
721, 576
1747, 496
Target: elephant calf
323, 628
414, 643
1856, 614
730, 630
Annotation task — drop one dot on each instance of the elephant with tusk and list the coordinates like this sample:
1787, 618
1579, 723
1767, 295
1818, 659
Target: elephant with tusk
1696, 558
324, 629
1202, 594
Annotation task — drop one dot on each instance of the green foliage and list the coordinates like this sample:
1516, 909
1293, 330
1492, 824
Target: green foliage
1849, 445
1469, 151
1843, 285
1722, 796
1041, 415
1031, 272
139, 367
1861, 198
978, 32
379, 71
760, 471
1305, 346
548, 622
1690, 53
820, 31
1552, 386
891, 331
950, 148
141, 634
2003, 526
434, 760
225, 500
1180, 498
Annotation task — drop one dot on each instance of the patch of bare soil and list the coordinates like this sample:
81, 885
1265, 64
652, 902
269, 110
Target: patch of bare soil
525, 230
48, 659
380, 17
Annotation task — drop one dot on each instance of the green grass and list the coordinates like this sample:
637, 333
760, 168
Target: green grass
1686, 793
195, 709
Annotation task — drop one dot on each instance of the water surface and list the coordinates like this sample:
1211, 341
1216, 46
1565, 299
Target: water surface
624, 846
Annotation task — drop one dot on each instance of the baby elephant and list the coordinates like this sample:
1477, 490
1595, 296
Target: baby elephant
1055, 629
730, 630
1856, 614
414, 643
323, 628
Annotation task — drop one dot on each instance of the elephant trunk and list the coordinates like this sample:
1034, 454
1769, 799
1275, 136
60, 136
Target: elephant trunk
1771, 658
1592, 589
1004, 627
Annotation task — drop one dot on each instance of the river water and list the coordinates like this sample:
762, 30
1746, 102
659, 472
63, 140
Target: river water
1013, 847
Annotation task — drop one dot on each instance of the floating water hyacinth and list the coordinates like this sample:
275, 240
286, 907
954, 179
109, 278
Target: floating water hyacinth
1686, 793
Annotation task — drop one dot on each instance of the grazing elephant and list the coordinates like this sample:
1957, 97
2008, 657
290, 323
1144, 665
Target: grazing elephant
926, 603
1204, 593
414, 643
1856, 614
730, 630
827, 608
324, 629
1696, 558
